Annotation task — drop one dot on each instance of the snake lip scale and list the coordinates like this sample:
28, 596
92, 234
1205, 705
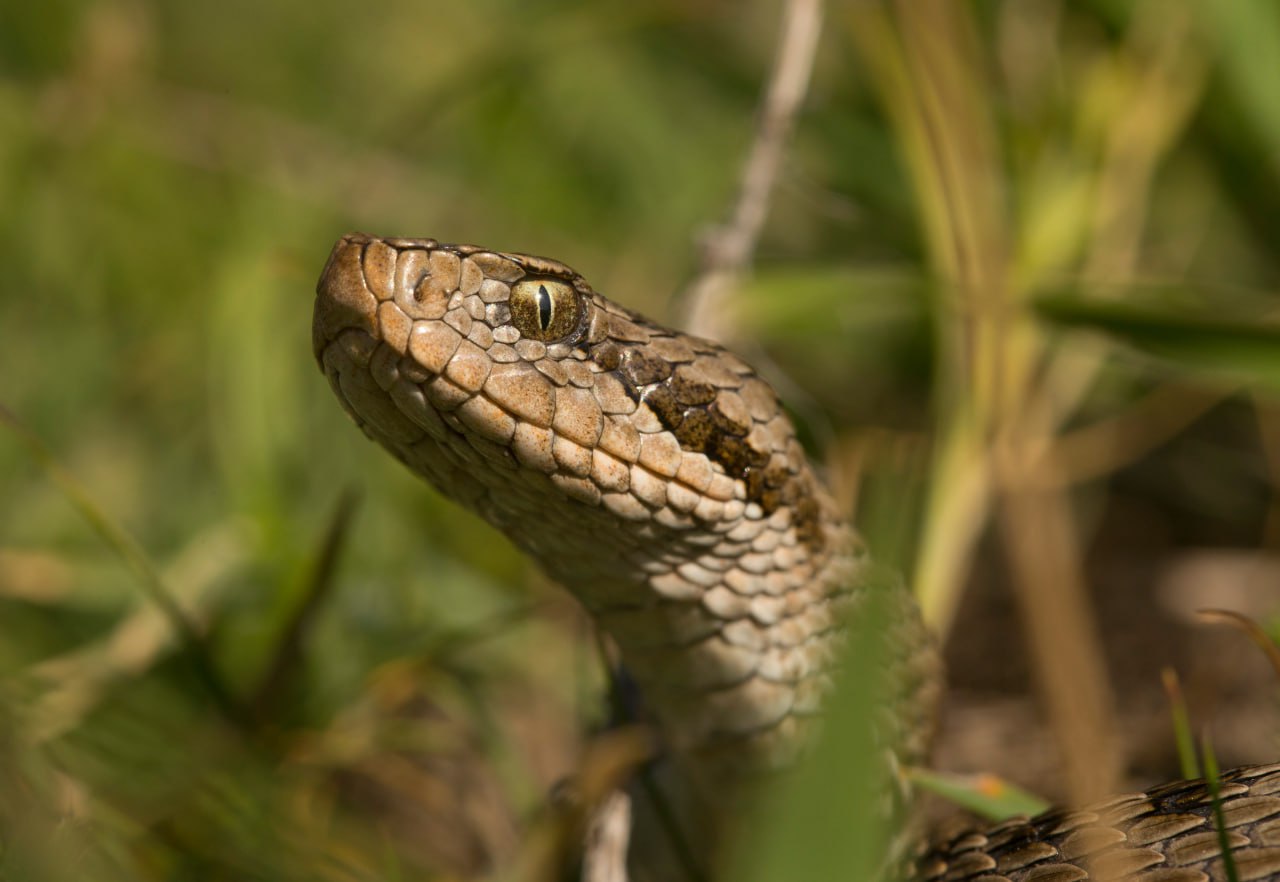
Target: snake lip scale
656, 476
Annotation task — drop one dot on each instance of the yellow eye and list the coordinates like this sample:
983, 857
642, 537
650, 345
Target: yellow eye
544, 309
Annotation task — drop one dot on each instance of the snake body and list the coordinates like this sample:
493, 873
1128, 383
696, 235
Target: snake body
656, 476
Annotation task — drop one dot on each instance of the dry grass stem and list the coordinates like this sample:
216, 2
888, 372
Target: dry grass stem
1061, 635
727, 250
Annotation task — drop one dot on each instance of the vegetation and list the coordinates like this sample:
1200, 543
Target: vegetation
1019, 263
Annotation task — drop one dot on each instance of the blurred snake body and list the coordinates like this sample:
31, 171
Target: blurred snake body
656, 476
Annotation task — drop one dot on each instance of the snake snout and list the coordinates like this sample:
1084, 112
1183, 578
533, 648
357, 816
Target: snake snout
343, 299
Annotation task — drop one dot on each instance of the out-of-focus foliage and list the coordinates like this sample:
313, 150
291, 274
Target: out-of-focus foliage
172, 176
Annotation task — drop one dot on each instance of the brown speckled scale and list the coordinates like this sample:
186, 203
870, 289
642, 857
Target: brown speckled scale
1165, 835
656, 476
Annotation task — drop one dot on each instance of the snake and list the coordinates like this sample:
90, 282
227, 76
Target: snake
657, 477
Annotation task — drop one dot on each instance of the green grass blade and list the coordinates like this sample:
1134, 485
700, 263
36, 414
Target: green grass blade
1219, 822
1181, 724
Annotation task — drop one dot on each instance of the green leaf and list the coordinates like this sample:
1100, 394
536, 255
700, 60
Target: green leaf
988, 795
1236, 342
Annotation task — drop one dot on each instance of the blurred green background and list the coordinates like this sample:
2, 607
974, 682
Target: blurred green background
1017, 282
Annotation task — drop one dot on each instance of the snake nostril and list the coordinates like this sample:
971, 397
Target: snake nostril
427, 299
418, 290
417, 287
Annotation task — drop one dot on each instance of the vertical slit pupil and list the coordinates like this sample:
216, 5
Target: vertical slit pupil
544, 307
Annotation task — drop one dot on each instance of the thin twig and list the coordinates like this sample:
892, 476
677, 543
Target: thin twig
608, 838
728, 249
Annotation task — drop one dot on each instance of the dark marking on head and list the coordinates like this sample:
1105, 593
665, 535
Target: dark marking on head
695, 430
686, 407
808, 519
691, 392
735, 454
774, 484
643, 369
724, 424
608, 356
670, 411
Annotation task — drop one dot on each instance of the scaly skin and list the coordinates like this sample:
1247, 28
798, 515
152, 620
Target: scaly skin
656, 476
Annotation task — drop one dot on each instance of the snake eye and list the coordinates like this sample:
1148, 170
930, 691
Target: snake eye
544, 309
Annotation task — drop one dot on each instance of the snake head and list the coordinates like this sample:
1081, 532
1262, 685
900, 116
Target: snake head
453, 354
